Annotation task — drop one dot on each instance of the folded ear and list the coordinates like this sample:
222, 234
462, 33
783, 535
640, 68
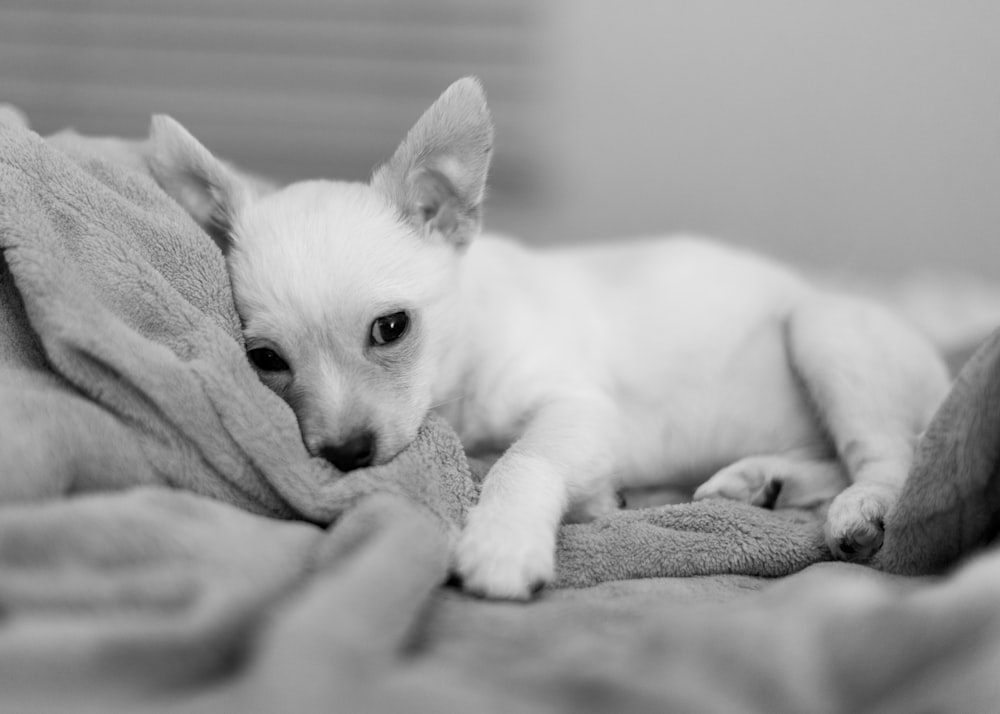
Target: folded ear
206, 188
437, 177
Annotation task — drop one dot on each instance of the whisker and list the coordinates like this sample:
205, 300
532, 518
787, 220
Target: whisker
448, 401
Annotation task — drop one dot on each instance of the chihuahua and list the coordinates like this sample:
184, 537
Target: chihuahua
674, 361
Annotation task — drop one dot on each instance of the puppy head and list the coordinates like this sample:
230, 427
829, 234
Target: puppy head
347, 290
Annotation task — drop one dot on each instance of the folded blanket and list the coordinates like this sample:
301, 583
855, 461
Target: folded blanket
123, 375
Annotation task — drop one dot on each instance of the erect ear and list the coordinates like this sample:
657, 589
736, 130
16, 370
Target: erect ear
213, 193
437, 177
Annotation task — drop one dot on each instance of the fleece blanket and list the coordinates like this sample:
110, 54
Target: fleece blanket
167, 543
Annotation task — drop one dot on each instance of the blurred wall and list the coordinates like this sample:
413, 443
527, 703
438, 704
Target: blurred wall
848, 135
843, 134
289, 88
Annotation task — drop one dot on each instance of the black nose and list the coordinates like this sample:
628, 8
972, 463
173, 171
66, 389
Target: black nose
356, 452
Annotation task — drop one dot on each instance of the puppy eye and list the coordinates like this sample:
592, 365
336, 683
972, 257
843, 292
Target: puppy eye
389, 328
267, 360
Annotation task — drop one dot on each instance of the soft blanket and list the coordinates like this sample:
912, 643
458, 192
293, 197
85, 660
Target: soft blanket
167, 543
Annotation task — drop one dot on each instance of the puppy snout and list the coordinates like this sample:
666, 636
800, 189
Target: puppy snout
355, 452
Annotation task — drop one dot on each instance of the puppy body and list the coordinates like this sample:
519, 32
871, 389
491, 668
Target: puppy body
671, 361
591, 368
679, 342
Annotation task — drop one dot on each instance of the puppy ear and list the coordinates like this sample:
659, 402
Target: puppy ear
437, 177
206, 188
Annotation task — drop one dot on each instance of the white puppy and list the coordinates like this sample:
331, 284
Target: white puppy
594, 368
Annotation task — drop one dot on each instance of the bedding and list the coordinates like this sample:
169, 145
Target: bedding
166, 543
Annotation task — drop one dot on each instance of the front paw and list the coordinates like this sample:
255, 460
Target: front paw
855, 526
500, 558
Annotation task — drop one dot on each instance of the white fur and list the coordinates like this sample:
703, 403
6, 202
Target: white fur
664, 362
322, 307
592, 368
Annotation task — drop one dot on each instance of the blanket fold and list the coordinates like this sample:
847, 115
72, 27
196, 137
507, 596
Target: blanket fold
122, 340
703, 538
162, 526
950, 504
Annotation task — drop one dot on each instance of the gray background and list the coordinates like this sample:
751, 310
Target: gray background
846, 136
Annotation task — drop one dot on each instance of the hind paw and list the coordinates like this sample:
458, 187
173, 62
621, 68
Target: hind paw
855, 523
749, 480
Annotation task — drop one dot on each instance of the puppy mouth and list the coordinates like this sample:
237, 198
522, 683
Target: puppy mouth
357, 453
385, 456
389, 448
362, 446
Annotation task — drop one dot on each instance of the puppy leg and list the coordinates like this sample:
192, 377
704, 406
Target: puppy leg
593, 501
507, 549
875, 385
776, 482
